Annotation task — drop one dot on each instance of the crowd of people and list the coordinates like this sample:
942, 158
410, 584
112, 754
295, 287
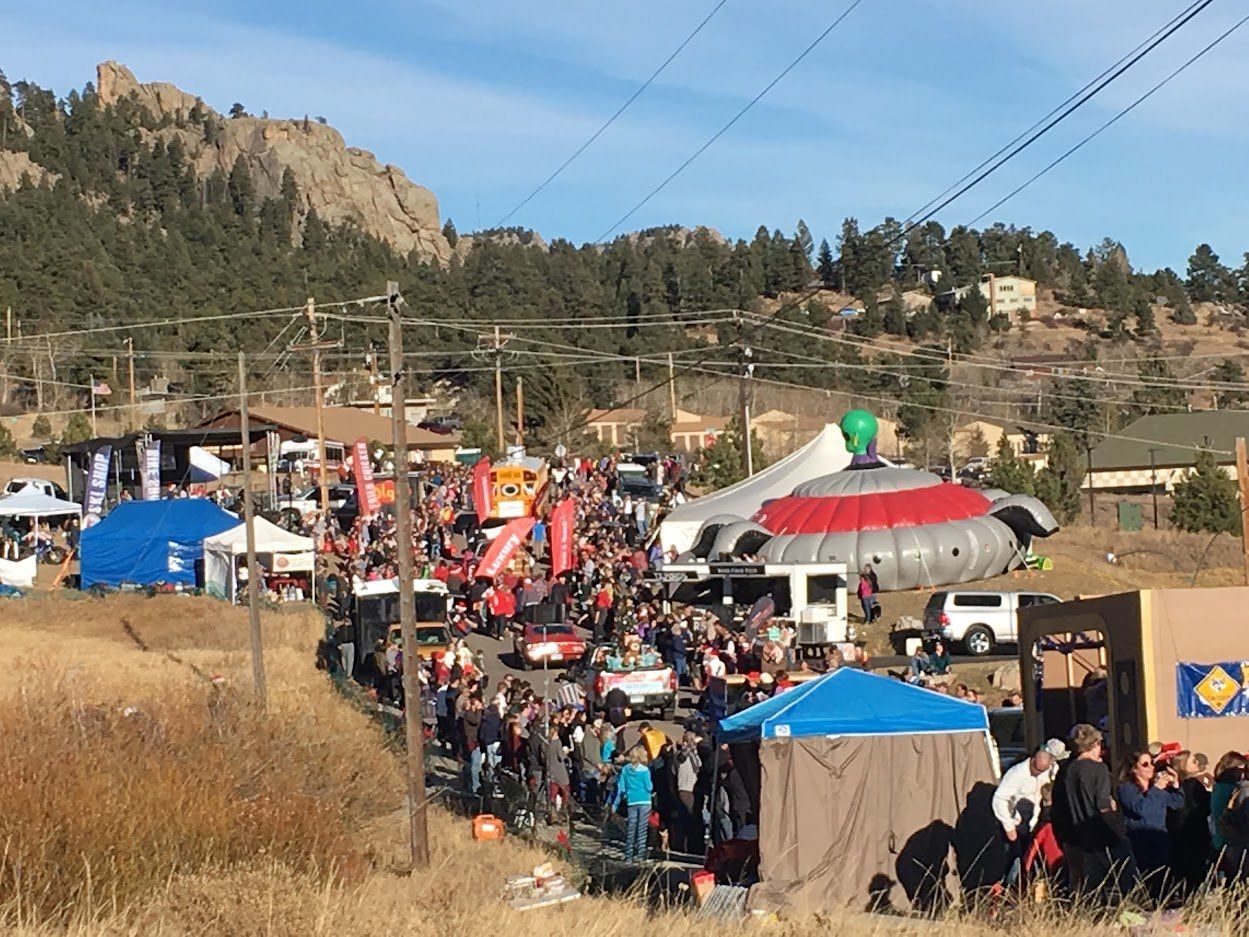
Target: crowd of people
1167, 824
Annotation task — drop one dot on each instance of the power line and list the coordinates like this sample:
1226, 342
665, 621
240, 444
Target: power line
735, 118
611, 120
1054, 111
1110, 123
1066, 112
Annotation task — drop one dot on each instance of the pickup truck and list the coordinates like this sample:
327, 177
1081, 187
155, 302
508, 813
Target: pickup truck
652, 688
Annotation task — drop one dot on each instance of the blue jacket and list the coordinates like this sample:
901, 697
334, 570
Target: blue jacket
634, 786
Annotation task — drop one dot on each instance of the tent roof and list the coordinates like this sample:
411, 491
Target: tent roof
181, 519
849, 701
270, 538
823, 454
31, 503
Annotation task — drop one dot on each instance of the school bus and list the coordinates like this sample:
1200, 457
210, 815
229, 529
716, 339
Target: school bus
518, 488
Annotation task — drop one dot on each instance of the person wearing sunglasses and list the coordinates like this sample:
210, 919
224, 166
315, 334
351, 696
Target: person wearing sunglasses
1146, 792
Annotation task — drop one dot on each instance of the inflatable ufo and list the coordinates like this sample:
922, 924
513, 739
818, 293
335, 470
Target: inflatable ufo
912, 528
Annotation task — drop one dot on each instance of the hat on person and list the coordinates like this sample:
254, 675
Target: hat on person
1057, 749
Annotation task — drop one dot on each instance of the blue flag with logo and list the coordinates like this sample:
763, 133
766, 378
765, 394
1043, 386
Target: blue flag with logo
1203, 691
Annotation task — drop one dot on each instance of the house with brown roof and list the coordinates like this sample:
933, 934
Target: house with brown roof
343, 426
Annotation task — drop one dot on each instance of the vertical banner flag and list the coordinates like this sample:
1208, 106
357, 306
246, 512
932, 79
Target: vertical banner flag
97, 484
504, 546
149, 459
366, 491
561, 525
481, 488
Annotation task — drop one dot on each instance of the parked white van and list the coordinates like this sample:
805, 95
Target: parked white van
980, 620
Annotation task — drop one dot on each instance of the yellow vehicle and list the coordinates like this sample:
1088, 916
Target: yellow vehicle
518, 488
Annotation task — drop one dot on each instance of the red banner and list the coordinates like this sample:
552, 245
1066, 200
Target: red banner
504, 546
561, 527
366, 491
482, 488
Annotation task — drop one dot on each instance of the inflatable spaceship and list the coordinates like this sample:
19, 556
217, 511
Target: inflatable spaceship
912, 528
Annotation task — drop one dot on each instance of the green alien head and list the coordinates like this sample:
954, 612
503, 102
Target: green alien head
859, 429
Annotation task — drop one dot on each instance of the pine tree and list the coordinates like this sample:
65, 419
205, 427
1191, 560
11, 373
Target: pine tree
1206, 500
8, 448
42, 428
449, 232
895, 314
1058, 484
78, 429
824, 265
239, 188
1009, 472
237, 110
1208, 280
1145, 322
807, 243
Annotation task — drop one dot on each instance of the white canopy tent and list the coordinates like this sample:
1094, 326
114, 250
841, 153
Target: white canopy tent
285, 552
31, 503
824, 454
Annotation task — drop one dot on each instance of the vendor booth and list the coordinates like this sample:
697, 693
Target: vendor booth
286, 560
151, 542
873, 793
33, 506
1160, 665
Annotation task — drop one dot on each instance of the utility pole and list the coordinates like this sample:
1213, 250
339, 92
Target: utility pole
672, 388
1088, 454
134, 401
949, 439
249, 519
1153, 482
414, 732
1242, 479
315, 345
374, 382
743, 393
95, 430
498, 388
520, 412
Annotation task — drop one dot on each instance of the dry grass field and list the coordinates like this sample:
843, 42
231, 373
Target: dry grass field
142, 792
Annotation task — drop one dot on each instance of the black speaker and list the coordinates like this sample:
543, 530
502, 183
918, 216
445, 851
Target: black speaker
543, 614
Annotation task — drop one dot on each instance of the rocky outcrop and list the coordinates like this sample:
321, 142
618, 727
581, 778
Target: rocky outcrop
14, 165
344, 184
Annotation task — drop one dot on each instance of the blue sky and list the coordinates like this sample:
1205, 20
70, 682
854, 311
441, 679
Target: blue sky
480, 100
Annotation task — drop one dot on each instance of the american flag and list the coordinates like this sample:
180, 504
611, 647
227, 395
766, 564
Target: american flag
100, 388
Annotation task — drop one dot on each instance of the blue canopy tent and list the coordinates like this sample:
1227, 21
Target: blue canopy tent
871, 792
854, 702
149, 542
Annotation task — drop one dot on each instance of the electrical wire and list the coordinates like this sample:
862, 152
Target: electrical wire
1110, 123
733, 120
611, 120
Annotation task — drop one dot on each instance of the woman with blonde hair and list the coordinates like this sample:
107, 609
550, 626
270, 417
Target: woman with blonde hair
634, 789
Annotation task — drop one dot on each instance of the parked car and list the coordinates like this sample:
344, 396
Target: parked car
432, 639
639, 486
557, 644
309, 500
980, 621
41, 485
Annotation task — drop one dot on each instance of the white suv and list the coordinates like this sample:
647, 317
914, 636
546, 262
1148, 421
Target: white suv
980, 620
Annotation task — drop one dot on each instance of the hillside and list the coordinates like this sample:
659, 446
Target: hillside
168, 212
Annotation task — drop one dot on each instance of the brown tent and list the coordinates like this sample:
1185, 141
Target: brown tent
873, 794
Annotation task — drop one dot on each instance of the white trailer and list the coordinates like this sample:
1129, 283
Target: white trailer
811, 596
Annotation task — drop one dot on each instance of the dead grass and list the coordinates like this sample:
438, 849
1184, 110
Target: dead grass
137, 800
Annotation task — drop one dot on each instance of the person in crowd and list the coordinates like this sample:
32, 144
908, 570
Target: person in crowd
633, 791
558, 782
1089, 822
1145, 794
867, 594
1228, 773
1017, 807
1188, 828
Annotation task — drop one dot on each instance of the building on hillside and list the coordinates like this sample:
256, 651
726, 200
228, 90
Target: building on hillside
1023, 441
1007, 295
915, 301
1158, 451
1043, 367
343, 426
692, 432
618, 427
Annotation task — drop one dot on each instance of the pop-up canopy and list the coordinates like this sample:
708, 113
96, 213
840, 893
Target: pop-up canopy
854, 702
870, 792
31, 503
284, 551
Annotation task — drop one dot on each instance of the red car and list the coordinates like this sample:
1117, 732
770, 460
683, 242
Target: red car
556, 645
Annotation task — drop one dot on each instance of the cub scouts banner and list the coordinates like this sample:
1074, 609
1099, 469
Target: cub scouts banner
561, 536
97, 483
481, 488
149, 482
366, 491
1203, 691
503, 546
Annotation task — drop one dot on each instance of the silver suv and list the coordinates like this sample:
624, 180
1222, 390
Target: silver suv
980, 620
